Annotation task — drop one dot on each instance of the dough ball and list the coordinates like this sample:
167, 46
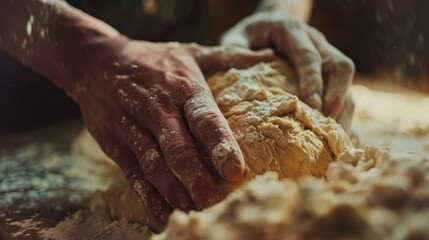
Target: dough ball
274, 129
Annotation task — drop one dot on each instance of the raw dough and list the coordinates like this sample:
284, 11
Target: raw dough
275, 131
368, 194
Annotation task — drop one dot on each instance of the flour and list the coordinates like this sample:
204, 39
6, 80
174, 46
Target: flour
95, 223
390, 116
41, 175
369, 193
25, 226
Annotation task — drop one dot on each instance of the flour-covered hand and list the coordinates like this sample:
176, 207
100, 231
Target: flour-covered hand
325, 73
149, 107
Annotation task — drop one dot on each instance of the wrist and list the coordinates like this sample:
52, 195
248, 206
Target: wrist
74, 41
301, 9
95, 65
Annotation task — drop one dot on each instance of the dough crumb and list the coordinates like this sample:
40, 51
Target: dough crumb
369, 193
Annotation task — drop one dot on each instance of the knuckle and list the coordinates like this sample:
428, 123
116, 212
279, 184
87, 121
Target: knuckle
197, 105
292, 23
182, 79
151, 162
315, 32
206, 119
289, 23
312, 75
199, 112
188, 86
307, 56
176, 150
177, 153
345, 66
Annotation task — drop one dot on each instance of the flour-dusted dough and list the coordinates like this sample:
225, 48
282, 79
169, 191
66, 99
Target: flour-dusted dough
275, 131
368, 194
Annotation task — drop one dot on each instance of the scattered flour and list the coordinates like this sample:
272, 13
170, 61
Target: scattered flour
25, 226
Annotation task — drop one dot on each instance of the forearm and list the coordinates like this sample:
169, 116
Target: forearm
298, 8
51, 37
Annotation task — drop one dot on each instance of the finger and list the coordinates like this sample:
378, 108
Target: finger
219, 58
155, 168
149, 195
346, 115
125, 159
294, 42
112, 147
210, 128
338, 70
184, 160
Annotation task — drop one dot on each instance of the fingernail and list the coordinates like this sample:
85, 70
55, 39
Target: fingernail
232, 170
316, 100
226, 156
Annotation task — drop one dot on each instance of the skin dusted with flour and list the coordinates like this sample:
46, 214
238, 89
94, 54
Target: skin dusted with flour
132, 96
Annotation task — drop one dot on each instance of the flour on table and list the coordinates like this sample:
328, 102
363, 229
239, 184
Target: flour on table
368, 194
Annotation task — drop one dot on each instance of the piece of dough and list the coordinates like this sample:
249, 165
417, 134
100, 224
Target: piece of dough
275, 131
369, 194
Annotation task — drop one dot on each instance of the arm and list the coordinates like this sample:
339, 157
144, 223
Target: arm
325, 73
145, 103
51, 37
301, 9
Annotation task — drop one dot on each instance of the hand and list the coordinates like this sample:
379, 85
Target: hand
325, 73
149, 107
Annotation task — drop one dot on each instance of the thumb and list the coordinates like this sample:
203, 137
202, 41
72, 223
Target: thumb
218, 58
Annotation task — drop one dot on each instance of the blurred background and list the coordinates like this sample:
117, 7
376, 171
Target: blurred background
388, 37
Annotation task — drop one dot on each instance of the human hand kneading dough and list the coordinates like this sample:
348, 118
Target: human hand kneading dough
147, 104
150, 108
325, 73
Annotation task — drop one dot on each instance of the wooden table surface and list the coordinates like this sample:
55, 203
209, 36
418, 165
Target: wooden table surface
32, 196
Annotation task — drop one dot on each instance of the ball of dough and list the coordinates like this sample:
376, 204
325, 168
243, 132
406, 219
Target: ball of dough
274, 129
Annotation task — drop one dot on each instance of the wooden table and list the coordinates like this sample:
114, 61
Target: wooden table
32, 195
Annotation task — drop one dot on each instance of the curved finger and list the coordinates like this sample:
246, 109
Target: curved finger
155, 203
219, 58
346, 115
338, 70
211, 129
155, 168
184, 160
129, 165
293, 41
